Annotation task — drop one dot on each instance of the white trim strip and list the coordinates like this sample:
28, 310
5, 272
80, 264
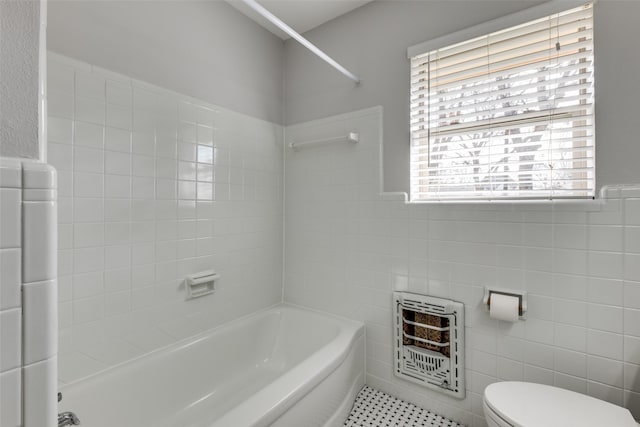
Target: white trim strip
352, 137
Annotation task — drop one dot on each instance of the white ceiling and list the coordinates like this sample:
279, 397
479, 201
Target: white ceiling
301, 15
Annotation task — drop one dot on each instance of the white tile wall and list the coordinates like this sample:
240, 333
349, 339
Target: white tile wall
39, 321
10, 296
40, 231
11, 201
153, 186
40, 406
347, 249
11, 392
28, 335
39, 295
11, 333
10, 277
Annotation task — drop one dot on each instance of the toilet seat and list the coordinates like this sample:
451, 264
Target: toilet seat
521, 404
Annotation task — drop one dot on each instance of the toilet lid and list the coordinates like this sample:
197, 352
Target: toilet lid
524, 404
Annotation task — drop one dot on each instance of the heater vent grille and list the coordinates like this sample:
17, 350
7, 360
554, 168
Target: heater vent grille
429, 341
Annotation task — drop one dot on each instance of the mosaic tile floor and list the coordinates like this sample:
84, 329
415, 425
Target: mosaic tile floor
374, 408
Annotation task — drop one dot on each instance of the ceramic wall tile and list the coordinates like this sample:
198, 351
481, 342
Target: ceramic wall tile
11, 200
28, 316
10, 339
11, 402
40, 321
40, 388
144, 159
10, 278
577, 261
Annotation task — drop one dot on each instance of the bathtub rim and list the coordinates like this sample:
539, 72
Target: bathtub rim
295, 381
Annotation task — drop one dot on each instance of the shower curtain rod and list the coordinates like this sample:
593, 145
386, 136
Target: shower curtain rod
253, 4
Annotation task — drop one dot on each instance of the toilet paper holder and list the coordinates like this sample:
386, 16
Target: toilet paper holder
522, 298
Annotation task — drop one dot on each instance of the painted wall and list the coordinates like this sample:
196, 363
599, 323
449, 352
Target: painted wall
204, 49
617, 90
19, 32
347, 249
154, 185
372, 41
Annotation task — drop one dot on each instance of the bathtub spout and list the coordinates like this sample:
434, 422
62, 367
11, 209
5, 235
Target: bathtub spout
68, 419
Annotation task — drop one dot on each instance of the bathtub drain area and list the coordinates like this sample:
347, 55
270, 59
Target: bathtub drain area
374, 408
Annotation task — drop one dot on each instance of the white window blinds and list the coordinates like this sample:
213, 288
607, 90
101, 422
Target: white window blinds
506, 115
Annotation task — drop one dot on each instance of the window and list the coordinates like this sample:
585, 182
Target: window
508, 115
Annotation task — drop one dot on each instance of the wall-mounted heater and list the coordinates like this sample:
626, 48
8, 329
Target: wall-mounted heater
429, 342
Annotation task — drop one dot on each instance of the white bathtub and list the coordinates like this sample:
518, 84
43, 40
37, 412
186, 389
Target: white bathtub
283, 367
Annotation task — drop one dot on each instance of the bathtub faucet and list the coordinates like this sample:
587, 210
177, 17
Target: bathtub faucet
67, 418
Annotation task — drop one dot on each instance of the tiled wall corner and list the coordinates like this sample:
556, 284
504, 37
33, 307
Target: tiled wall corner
10, 293
28, 335
155, 185
347, 249
39, 290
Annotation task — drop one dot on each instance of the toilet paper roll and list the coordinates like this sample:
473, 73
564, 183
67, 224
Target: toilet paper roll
504, 307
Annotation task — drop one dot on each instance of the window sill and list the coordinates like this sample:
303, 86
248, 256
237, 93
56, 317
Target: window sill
579, 204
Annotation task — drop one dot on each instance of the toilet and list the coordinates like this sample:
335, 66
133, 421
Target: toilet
522, 404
